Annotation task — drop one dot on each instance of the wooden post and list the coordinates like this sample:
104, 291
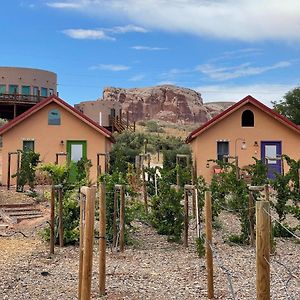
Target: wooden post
88, 244
237, 170
262, 250
186, 218
145, 189
193, 194
81, 226
122, 218
267, 193
115, 219
197, 214
52, 208
102, 240
251, 218
8, 171
209, 256
60, 220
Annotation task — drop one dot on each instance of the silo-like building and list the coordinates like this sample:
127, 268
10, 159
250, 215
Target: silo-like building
21, 88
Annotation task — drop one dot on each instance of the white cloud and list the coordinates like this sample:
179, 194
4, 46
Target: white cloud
228, 19
147, 48
102, 33
225, 73
110, 67
166, 82
84, 34
233, 93
65, 4
128, 28
137, 77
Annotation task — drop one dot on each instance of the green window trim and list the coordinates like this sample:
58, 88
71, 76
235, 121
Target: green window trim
76, 142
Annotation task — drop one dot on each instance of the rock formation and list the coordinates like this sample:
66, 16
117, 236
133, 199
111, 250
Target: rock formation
165, 102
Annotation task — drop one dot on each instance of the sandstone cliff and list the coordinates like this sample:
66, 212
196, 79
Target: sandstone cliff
164, 102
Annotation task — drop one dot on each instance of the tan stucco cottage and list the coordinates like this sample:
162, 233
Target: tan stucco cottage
246, 129
53, 126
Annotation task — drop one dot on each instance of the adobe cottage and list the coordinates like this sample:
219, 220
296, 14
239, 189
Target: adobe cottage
245, 130
53, 126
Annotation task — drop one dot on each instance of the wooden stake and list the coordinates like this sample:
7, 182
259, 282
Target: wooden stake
122, 218
193, 194
144, 188
197, 214
102, 240
8, 171
262, 250
88, 244
186, 218
52, 212
82, 226
115, 219
60, 220
209, 256
251, 218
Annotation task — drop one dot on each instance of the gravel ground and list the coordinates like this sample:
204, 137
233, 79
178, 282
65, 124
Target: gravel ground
152, 268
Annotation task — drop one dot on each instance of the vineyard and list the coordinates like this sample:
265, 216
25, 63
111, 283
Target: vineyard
156, 232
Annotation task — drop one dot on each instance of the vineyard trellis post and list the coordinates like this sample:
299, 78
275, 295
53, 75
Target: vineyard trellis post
60, 215
102, 239
187, 188
52, 213
18, 153
263, 250
208, 249
121, 189
86, 246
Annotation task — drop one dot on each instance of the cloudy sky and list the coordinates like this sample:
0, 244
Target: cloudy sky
225, 49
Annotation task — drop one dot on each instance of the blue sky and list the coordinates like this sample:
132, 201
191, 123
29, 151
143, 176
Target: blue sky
223, 49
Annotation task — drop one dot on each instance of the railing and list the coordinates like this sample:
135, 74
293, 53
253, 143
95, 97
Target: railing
21, 98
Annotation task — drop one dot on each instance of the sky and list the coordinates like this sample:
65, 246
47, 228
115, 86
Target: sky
224, 49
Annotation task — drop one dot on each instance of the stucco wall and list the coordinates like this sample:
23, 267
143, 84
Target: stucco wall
48, 138
266, 128
28, 77
93, 108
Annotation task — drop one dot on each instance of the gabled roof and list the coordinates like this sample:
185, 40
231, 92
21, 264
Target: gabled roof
235, 107
64, 105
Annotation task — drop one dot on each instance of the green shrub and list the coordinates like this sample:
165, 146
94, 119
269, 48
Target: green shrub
200, 246
281, 231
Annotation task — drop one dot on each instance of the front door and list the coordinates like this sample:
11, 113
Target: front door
76, 150
270, 154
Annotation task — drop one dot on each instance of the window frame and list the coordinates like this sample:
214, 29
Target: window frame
54, 121
220, 156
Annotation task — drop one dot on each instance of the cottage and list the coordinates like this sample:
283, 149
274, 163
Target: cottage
51, 127
246, 129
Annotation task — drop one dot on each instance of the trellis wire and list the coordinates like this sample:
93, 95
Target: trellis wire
224, 269
290, 232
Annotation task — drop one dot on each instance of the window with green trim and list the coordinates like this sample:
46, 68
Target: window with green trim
2, 89
13, 89
44, 92
25, 90
54, 117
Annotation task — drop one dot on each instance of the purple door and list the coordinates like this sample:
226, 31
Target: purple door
270, 154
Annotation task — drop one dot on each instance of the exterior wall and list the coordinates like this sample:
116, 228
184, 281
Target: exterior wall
48, 139
28, 77
266, 128
93, 108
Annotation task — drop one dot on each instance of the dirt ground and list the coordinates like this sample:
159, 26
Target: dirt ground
151, 268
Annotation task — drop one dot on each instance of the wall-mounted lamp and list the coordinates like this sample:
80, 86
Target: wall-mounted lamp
62, 142
244, 146
207, 165
255, 144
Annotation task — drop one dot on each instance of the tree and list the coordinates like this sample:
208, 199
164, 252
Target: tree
289, 106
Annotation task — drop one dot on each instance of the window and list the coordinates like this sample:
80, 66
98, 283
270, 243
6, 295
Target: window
28, 146
54, 117
51, 92
222, 149
25, 90
13, 89
247, 118
2, 89
35, 90
44, 92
